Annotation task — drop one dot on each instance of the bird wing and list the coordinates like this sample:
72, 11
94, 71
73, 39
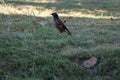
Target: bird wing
59, 24
62, 26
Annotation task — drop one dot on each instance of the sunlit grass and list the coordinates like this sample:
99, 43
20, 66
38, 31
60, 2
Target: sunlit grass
41, 11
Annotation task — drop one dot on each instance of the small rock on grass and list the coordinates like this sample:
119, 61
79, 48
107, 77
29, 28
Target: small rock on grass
90, 62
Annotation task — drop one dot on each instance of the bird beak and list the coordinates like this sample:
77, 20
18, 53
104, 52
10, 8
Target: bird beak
51, 14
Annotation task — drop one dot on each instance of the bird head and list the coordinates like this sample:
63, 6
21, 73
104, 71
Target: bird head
54, 14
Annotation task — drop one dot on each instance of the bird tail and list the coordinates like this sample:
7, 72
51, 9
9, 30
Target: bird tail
69, 32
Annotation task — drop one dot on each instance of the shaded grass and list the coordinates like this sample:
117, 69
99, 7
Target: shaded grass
43, 54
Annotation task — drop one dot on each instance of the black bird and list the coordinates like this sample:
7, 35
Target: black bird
59, 24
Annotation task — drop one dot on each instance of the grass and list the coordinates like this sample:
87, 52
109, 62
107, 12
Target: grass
37, 52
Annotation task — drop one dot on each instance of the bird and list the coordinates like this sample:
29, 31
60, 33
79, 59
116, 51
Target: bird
111, 19
59, 24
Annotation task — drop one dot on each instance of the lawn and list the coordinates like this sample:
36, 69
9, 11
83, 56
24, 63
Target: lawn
31, 48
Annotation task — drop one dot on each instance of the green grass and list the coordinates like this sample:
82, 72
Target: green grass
37, 52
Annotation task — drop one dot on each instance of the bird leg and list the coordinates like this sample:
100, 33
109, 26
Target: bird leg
60, 34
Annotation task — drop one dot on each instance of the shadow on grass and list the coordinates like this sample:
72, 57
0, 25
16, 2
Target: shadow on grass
41, 54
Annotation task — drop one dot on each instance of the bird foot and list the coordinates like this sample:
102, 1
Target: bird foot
60, 34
